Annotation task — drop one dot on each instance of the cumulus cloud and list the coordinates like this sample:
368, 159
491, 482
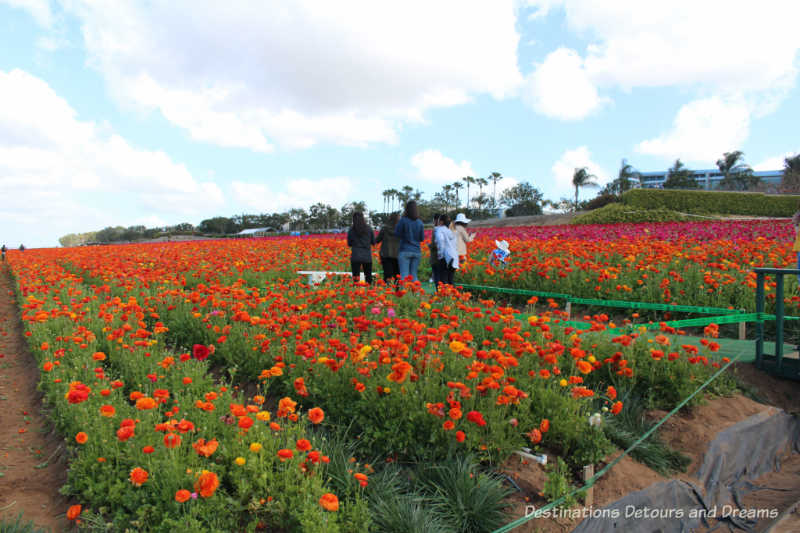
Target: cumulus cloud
435, 167
294, 74
634, 44
561, 88
703, 130
58, 168
564, 168
774, 163
38, 9
298, 193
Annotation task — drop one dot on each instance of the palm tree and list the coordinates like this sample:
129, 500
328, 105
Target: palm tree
790, 182
494, 177
468, 180
736, 174
482, 182
447, 190
386, 194
625, 177
582, 178
393, 195
456, 187
405, 194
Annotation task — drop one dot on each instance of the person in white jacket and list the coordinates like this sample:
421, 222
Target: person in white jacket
448, 254
459, 228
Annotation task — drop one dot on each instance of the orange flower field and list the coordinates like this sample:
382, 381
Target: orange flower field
206, 386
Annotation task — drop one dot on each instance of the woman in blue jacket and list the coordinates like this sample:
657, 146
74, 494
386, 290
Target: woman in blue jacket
410, 232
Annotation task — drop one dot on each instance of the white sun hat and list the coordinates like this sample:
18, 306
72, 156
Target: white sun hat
503, 245
461, 217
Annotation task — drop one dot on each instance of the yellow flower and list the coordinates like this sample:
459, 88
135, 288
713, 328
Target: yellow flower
591, 359
264, 416
240, 461
457, 346
255, 447
563, 382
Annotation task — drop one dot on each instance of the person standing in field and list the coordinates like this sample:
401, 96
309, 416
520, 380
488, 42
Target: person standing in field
459, 228
3, 249
410, 232
448, 254
360, 239
434, 252
390, 245
796, 247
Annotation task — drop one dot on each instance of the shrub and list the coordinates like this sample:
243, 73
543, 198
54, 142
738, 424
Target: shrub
721, 202
620, 213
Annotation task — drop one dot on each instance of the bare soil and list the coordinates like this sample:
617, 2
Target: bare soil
689, 431
31, 471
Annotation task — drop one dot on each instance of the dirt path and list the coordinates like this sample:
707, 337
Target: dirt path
30, 472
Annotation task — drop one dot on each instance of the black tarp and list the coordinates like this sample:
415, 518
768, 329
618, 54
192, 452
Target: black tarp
737, 456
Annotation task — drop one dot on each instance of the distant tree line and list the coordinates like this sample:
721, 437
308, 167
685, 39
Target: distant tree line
520, 200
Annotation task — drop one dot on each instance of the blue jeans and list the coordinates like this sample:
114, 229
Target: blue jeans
408, 262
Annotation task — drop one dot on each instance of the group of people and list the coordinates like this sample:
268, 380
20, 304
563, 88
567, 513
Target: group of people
401, 238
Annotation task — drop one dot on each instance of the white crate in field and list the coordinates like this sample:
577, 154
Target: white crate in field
318, 276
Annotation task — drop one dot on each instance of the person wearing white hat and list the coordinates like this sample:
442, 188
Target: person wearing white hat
500, 254
459, 228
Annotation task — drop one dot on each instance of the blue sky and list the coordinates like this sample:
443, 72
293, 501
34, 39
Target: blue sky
155, 113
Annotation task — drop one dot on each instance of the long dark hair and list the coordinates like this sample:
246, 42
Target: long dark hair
394, 218
359, 224
412, 211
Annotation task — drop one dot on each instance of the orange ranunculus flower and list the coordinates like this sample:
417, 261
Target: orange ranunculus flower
329, 502
316, 415
448, 425
98, 356
535, 435
172, 440
81, 437
245, 422
285, 453
107, 410
300, 387
138, 476
206, 484
611, 392
286, 406
205, 448
303, 445
454, 413
145, 402
361, 478
616, 408
73, 512
584, 366
48, 366
182, 495
125, 432
544, 425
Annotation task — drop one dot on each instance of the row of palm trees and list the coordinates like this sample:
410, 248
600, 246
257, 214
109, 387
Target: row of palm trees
449, 195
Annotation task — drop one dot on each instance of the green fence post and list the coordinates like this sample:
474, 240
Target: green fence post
760, 326
779, 321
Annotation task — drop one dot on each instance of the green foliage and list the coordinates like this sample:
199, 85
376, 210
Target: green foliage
721, 202
558, 484
467, 500
18, 526
680, 177
621, 213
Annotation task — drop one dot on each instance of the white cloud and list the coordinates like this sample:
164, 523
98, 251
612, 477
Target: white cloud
713, 50
435, 167
703, 130
561, 88
53, 167
564, 169
299, 193
294, 74
774, 163
38, 9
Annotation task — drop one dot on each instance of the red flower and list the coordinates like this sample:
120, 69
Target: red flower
460, 436
476, 418
200, 352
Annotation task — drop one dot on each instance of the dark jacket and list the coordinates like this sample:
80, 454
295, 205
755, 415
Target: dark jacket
390, 242
361, 245
411, 233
